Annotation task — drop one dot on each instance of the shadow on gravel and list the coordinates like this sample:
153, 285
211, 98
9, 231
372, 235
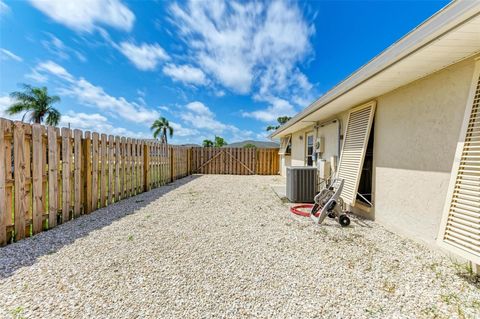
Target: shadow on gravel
25, 252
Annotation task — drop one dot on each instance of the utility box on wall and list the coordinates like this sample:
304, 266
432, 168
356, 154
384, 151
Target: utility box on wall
301, 184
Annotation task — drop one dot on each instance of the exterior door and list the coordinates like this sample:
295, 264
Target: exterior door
309, 149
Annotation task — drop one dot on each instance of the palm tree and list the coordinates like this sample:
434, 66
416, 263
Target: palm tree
207, 143
36, 102
281, 120
160, 128
219, 141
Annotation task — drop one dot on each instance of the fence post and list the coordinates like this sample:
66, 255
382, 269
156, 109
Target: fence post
87, 156
172, 178
146, 167
3, 197
77, 138
189, 161
37, 179
20, 191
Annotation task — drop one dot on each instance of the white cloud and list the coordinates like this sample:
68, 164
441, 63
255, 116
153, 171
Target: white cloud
185, 73
89, 94
278, 107
199, 108
220, 93
5, 102
4, 8
95, 122
86, 15
36, 76
145, 56
56, 47
245, 45
201, 118
55, 69
182, 131
6, 54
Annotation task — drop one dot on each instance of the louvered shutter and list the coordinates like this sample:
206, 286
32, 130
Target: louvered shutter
354, 147
460, 229
284, 143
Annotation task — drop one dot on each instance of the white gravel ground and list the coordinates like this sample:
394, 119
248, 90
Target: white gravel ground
226, 246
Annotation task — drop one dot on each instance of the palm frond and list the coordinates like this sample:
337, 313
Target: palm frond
53, 117
53, 99
18, 107
156, 133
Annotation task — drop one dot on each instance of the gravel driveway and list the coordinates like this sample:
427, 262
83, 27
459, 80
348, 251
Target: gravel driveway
226, 246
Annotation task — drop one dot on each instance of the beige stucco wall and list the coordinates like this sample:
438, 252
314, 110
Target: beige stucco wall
298, 147
330, 134
297, 157
416, 132
285, 161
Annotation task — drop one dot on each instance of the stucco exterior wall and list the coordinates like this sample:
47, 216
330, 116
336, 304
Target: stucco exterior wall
416, 132
285, 161
416, 129
330, 134
297, 156
298, 147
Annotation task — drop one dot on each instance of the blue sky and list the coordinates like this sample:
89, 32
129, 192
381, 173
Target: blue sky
211, 68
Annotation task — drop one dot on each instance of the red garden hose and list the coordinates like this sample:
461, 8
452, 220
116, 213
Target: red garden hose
298, 209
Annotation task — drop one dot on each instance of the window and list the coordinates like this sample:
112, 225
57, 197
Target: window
309, 148
285, 145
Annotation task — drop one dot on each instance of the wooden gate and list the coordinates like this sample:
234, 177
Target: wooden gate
235, 161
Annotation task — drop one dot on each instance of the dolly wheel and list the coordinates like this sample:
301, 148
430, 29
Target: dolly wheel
315, 210
331, 215
344, 220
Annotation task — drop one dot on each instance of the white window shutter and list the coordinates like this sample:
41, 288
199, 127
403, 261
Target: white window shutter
354, 147
284, 142
460, 227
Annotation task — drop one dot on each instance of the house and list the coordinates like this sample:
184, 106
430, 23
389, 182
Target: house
403, 131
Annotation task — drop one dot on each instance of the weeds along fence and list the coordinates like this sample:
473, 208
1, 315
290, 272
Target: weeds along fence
49, 176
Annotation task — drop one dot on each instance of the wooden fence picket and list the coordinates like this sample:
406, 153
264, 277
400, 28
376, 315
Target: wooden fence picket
66, 157
4, 162
21, 203
52, 177
111, 166
117, 168
103, 168
77, 141
95, 148
87, 173
37, 179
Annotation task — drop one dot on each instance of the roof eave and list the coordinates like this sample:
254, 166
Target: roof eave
440, 23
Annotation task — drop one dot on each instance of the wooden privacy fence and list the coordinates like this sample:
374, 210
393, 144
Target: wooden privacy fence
235, 161
49, 176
